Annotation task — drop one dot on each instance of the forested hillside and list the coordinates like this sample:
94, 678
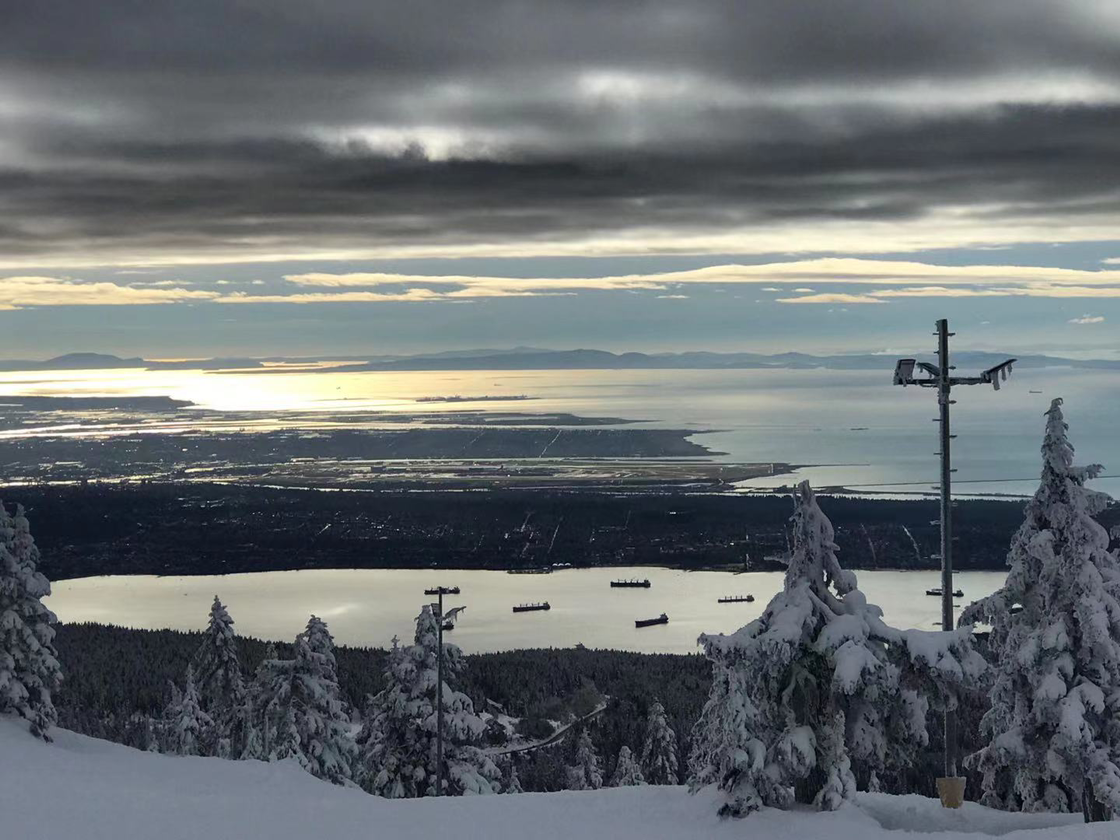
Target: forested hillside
214, 529
118, 679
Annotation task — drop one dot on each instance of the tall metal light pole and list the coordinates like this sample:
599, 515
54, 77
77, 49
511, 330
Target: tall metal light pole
440, 618
938, 376
439, 699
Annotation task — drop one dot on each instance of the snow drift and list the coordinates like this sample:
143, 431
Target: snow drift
80, 788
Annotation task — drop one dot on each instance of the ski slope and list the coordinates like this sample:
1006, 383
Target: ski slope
80, 788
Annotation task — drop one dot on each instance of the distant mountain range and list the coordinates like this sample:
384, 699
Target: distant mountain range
531, 358
603, 360
102, 361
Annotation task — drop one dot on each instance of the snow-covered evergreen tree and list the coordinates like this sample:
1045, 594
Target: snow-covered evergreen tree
151, 735
817, 680
29, 669
312, 705
513, 784
587, 772
400, 756
188, 724
260, 706
286, 742
659, 752
627, 773
221, 686
1052, 735
367, 735
511, 781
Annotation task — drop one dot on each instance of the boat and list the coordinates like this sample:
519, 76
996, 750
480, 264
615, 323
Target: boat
632, 584
936, 592
737, 599
647, 622
1034, 392
448, 625
454, 590
544, 605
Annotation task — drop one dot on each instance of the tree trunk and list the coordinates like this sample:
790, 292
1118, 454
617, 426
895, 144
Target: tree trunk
805, 790
1092, 808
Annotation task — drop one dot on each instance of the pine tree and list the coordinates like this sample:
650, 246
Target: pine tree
659, 752
817, 681
513, 782
1052, 735
260, 707
507, 764
313, 708
220, 684
627, 773
587, 772
29, 669
189, 725
152, 735
286, 742
400, 756
253, 742
367, 735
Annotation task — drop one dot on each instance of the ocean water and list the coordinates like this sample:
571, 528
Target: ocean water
850, 428
369, 606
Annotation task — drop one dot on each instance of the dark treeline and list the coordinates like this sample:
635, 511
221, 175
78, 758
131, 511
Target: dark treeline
116, 678
215, 529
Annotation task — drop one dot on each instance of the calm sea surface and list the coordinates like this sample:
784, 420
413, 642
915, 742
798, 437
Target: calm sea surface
369, 607
879, 437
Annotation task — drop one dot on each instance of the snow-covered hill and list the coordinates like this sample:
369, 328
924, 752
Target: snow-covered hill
80, 788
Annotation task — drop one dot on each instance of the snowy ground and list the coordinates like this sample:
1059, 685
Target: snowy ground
80, 788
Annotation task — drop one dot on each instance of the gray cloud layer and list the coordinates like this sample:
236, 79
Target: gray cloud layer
169, 131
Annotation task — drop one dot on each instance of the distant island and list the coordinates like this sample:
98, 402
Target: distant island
64, 403
457, 398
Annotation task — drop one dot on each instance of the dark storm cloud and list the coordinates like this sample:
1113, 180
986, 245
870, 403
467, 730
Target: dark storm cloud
151, 130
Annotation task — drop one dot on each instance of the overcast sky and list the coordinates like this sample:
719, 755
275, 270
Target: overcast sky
281, 176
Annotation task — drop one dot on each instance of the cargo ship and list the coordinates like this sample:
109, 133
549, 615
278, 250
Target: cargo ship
737, 599
454, 590
648, 622
544, 605
631, 584
936, 592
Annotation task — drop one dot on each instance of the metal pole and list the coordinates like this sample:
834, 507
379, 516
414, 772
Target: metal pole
439, 701
943, 390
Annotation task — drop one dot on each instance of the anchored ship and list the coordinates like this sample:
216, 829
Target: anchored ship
936, 592
544, 605
454, 590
